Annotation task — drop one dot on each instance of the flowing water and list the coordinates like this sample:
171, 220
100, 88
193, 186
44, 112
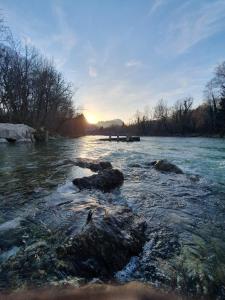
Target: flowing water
191, 206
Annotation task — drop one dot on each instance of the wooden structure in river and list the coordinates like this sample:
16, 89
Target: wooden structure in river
121, 139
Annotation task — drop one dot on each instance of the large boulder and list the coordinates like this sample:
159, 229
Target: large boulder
165, 166
86, 240
3, 141
16, 132
105, 244
105, 180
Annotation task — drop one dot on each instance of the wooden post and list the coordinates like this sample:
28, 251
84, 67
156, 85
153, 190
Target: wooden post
46, 135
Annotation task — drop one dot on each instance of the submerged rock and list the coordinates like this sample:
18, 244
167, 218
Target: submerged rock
153, 261
16, 132
165, 166
106, 243
11, 233
105, 180
93, 165
5, 255
134, 165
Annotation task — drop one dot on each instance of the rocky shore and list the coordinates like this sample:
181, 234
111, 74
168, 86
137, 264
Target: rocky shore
71, 241
84, 240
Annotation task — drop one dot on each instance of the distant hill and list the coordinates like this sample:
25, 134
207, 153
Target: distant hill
110, 123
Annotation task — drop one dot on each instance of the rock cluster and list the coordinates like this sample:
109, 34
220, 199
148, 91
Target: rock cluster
86, 239
81, 239
165, 166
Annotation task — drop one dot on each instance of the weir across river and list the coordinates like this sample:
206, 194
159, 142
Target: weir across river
122, 139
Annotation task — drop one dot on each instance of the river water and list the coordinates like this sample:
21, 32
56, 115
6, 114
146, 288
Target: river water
191, 206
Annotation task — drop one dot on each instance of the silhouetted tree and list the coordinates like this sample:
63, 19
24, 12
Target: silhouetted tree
32, 91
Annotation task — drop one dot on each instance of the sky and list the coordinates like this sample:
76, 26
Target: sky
125, 55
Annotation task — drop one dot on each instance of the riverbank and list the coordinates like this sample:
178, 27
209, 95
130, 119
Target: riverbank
22, 133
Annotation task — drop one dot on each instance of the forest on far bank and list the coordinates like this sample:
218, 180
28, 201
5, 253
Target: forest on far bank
181, 119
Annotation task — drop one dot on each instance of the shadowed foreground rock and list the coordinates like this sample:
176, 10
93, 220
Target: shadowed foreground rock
76, 240
165, 166
105, 180
105, 244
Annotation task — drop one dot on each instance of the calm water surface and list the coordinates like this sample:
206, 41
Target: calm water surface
192, 204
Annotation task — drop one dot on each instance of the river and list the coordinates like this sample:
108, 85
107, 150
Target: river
190, 206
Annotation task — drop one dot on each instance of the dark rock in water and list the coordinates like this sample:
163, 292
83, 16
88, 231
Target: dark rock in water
11, 140
134, 165
165, 166
74, 247
11, 234
93, 165
97, 248
105, 244
105, 180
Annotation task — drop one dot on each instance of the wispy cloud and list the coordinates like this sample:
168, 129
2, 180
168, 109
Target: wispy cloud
133, 63
65, 37
101, 96
189, 27
155, 6
57, 45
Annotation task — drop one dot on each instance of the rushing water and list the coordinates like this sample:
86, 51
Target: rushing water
192, 205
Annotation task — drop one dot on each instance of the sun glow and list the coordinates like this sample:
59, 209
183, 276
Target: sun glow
91, 118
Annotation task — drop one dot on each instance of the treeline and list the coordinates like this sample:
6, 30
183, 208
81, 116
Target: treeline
32, 91
182, 119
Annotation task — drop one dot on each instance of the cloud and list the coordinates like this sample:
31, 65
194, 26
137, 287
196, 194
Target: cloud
92, 72
192, 24
103, 95
133, 63
57, 45
155, 6
65, 37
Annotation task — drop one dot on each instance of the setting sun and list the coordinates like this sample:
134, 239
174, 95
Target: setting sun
92, 119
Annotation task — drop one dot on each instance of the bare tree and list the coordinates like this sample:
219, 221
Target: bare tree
161, 110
